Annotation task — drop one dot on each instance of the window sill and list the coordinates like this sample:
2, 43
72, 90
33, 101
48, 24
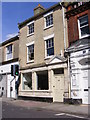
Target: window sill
48, 57
30, 34
27, 90
48, 27
48, 91
42, 91
84, 36
9, 59
31, 61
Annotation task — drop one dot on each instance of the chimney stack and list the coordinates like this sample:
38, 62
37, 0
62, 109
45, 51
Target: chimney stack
38, 9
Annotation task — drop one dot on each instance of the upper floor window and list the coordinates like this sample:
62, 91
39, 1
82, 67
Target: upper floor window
30, 28
9, 52
30, 52
48, 19
83, 26
49, 45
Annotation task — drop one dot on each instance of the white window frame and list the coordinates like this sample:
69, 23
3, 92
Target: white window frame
45, 27
80, 36
28, 28
11, 53
24, 80
27, 45
45, 39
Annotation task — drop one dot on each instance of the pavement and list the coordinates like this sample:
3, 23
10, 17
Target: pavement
60, 107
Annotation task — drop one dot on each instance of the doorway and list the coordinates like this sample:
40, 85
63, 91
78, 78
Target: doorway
58, 85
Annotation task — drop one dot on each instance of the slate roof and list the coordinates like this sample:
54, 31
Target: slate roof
79, 44
9, 40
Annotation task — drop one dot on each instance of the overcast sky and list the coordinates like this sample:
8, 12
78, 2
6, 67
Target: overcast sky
16, 12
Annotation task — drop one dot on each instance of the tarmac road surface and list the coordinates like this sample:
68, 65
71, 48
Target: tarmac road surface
11, 111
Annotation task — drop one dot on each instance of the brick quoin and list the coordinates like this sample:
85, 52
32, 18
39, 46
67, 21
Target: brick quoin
73, 32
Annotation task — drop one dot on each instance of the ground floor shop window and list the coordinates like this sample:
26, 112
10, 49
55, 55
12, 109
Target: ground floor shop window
27, 81
42, 80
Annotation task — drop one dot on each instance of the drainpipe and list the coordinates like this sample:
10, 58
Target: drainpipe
6, 85
69, 79
64, 27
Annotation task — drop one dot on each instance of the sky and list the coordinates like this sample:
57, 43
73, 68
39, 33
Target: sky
16, 12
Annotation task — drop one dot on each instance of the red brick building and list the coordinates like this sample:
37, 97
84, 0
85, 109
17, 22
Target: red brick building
78, 18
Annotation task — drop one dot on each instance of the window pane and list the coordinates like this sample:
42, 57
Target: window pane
31, 52
52, 43
9, 52
49, 20
50, 51
84, 21
27, 81
42, 78
85, 30
83, 24
84, 27
32, 56
9, 49
47, 43
31, 28
50, 47
9, 56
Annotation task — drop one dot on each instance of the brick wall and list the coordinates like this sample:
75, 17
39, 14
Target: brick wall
73, 33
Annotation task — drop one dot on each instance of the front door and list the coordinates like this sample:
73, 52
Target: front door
58, 88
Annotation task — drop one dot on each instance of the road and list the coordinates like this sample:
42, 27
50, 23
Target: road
11, 111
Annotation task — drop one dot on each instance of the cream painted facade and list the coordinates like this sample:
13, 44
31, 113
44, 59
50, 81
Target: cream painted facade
8, 58
58, 84
43, 66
